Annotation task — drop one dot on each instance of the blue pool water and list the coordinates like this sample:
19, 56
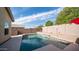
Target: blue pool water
31, 42
34, 41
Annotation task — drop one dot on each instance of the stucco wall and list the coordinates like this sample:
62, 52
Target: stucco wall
68, 32
4, 17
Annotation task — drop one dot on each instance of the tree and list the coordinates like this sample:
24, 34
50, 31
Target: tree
40, 26
67, 14
49, 23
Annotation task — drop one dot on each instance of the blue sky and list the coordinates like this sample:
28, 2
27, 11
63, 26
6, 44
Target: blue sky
31, 17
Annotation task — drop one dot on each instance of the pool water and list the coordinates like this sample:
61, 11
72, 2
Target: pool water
34, 41
31, 42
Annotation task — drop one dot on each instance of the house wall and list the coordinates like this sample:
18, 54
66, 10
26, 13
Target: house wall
68, 32
4, 17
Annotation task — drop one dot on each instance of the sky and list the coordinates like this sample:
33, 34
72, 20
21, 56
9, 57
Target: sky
31, 17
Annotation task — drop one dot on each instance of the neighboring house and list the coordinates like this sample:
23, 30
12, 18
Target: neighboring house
5, 23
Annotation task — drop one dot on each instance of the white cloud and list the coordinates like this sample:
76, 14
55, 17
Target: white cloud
34, 17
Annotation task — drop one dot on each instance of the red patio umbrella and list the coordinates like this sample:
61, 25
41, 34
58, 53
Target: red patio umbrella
75, 21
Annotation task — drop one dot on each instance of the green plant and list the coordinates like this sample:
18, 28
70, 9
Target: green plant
49, 23
67, 14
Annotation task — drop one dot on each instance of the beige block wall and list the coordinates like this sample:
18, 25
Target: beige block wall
15, 30
68, 32
4, 17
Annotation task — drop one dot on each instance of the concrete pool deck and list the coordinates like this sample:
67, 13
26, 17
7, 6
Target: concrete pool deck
49, 47
13, 44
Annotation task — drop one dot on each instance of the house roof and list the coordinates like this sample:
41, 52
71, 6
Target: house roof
10, 13
75, 21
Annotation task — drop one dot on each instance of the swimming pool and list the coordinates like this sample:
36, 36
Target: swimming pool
34, 41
